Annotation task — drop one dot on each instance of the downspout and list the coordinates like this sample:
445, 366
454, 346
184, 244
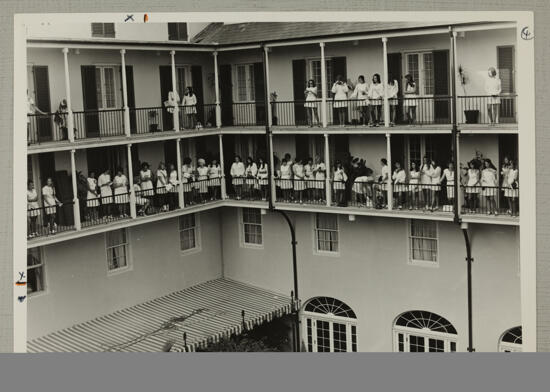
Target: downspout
469, 261
268, 136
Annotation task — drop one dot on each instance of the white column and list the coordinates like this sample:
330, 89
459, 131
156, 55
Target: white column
70, 116
454, 76
133, 213
174, 89
217, 90
272, 170
181, 202
385, 83
76, 204
222, 167
389, 184
125, 94
324, 86
267, 88
328, 188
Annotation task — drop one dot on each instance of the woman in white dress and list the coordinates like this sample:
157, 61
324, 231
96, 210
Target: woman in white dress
339, 180
414, 180
120, 186
161, 189
489, 186
251, 182
146, 181
319, 171
426, 171
214, 175
92, 197
310, 180
399, 178
361, 94
237, 173
33, 210
201, 185
410, 99
263, 173
189, 103
436, 185
493, 88
311, 103
340, 95
512, 189
188, 172
393, 91
299, 181
376, 94
141, 202
172, 105
286, 180
449, 176
504, 174
51, 203
473, 186
172, 187
383, 181
104, 183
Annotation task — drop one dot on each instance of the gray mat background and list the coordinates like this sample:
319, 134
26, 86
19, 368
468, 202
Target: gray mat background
542, 151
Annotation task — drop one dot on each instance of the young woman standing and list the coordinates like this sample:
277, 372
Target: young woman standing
340, 95
472, 189
414, 180
189, 103
202, 179
361, 94
426, 171
299, 181
376, 93
92, 197
311, 103
187, 172
399, 178
173, 185
214, 175
263, 173
162, 183
409, 103
393, 91
141, 202
449, 176
512, 189
120, 186
51, 202
493, 88
310, 179
251, 180
319, 171
146, 179
237, 176
286, 180
489, 184
383, 180
339, 183
436, 185
33, 210
104, 182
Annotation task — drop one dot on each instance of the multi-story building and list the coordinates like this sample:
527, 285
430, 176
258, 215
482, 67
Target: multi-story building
373, 274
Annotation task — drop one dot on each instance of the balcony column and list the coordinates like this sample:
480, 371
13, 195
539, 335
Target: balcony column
385, 82
389, 184
222, 167
76, 203
272, 170
267, 88
328, 189
324, 86
453, 67
217, 90
181, 201
70, 116
125, 94
133, 212
174, 89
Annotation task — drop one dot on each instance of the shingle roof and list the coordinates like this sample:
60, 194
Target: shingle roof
241, 33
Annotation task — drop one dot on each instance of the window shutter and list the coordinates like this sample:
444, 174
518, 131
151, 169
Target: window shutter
109, 30
226, 94
259, 92
89, 88
182, 31
506, 68
196, 78
441, 86
172, 31
299, 86
165, 87
97, 29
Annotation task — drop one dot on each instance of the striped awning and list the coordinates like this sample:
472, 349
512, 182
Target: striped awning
181, 321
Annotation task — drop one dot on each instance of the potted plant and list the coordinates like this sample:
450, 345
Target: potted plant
153, 121
472, 115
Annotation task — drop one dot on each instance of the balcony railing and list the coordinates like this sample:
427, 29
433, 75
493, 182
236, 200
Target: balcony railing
251, 189
490, 200
46, 127
100, 124
201, 191
247, 114
301, 191
484, 109
105, 209
147, 120
44, 221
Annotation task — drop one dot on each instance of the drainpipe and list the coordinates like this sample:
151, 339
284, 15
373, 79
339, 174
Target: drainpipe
268, 137
469, 261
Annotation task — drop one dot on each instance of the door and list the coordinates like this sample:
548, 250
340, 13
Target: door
131, 96
298, 87
89, 92
442, 104
226, 94
42, 101
506, 71
196, 80
326, 335
165, 88
259, 93
395, 72
413, 342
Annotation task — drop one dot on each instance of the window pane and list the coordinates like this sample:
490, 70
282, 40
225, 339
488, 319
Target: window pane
412, 65
416, 344
400, 343
436, 345
354, 338
339, 337
241, 83
187, 221
323, 336
309, 336
180, 76
116, 237
428, 73
99, 88
251, 83
453, 347
109, 87
327, 221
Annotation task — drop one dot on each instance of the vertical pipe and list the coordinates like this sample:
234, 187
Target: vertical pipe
76, 205
385, 81
181, 201
222, 167
133, 213
324, 85
217, 90
125, 94
469, 261
389, 186
455, 131
267, 87
269, 136
174, 90
70, 116
328, 189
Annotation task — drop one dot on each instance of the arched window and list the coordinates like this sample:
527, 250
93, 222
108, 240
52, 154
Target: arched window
421, 331
511, 341
329, 325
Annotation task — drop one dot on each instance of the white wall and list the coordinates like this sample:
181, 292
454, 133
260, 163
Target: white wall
373, 276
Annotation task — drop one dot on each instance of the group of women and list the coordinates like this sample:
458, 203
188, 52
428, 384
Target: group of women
369, 99
249, 180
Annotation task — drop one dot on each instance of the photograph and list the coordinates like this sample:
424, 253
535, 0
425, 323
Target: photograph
256, 183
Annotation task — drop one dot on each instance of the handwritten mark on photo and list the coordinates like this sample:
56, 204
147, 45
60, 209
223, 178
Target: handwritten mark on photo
21, 298
526, 34
145, 18
129, 17
22, 281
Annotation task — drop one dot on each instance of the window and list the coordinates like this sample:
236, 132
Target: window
104, 30
420, 66
330, 326
244, 78
117, 249
511, 341
189, 232
314, 72
177, 31
105, 87
326, 232
35, 271
183, 79
421, 331
505, 64
252, 226
422, 241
